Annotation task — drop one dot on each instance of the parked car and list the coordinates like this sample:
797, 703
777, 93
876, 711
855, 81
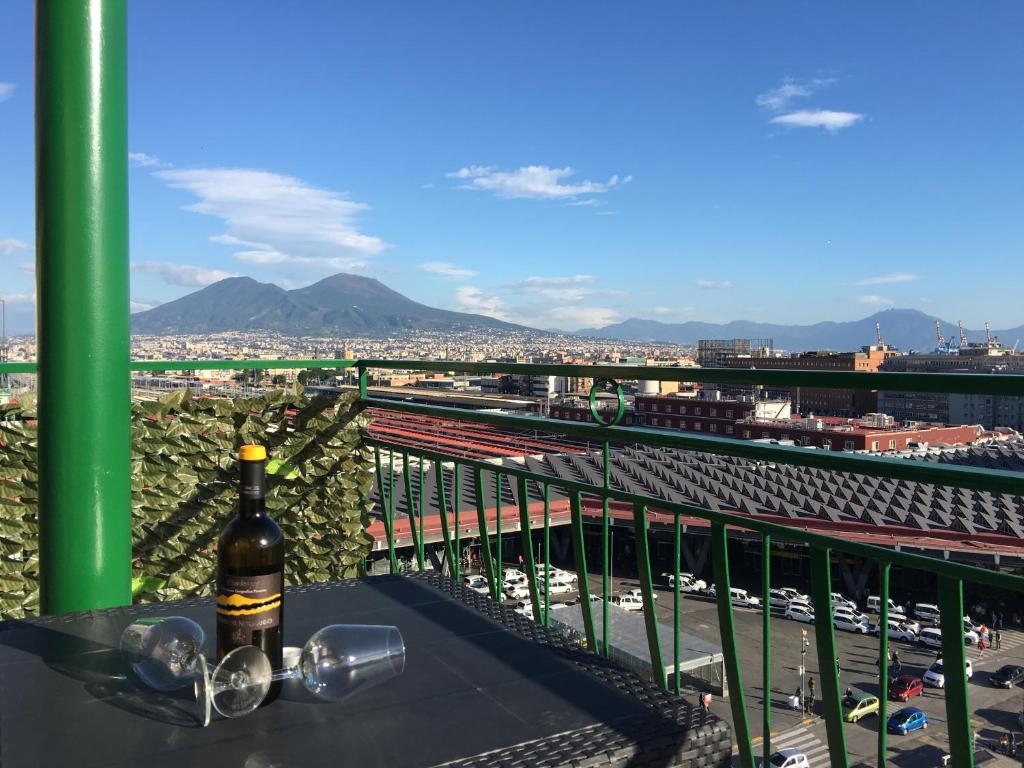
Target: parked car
524, 609
874, 604
906, 720
789, 758
781, 597
628, 602
687, 582
517, 591
839, 600
1007, 676
905, 687
970, 637
476, 583
849, 624
639, 594
514, 581
854, 616
979, 629
512, 574
800, 612
897, 631
556, 587
739, 597
935, 677
926, 611
858, 705
930, 636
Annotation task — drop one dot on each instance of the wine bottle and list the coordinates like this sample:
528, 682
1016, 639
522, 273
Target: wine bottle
250, 570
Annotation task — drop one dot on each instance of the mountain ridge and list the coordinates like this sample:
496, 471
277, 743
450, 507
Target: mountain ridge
339, 304
904, 329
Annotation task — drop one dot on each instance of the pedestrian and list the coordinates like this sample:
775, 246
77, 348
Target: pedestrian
998, 640
809, 702
796, 699
981, 648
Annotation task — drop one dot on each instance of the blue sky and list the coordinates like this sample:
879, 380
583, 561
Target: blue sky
567, 164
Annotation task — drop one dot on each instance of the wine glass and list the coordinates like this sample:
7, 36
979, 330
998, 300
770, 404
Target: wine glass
341, 660
166, 653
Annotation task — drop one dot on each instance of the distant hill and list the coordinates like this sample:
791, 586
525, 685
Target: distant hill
904, 329
341, 304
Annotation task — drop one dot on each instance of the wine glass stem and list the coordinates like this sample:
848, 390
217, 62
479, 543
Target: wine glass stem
288, 673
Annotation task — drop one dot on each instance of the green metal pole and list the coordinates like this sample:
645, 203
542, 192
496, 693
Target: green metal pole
606, 554
766, 643
547, 556
883, 659
828, 660
643, 567
675, 603
85, 543
954, 663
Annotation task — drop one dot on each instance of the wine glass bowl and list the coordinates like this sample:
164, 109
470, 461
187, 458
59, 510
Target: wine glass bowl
344, 659
163, 652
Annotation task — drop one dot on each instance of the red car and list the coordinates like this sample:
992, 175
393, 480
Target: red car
904, 687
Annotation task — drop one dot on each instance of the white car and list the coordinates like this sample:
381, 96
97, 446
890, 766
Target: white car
850, 623
687, 582
739, 597
511, 574
840, 600
874, 604
628, 602
517, 591
524, 609
930, 636
971, 637
556, 587
477, 584
971, 626
935, 677
788, 758
799, 612
927, 611
855, 616
783, 596
639, 594
897, 631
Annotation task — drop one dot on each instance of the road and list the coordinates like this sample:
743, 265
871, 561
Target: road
994, 710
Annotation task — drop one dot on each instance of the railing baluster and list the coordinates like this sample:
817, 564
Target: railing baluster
442, 507
766, 642
384, 500
390, 511
580, 556
525, 538
457, 502
410, 508
485, 537
500, 565
828, 662
727, 631
643, 567
954, 663
422, 544
883, 659
547, 555
675, 601
606, 559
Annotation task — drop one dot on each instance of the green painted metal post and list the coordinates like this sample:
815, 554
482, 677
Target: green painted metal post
643, 568
675, 602
828, 661
727, 631
580, 558
390, 512
606, 558
442, 506
766, 642
457, 503
385, 505
883, 659
410, 508
84, 384
499, 565
528, 562
485, 537
547, 555
954, 663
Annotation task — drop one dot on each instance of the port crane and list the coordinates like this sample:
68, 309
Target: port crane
963, 334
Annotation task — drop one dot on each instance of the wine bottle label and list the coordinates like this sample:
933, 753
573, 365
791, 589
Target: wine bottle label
248, 603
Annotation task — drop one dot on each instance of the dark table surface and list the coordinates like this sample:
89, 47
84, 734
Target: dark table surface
482, 686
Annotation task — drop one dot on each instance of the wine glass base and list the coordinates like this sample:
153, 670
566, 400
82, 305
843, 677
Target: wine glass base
240, 681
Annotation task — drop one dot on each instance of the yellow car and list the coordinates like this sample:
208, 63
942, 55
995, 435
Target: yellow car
858, 705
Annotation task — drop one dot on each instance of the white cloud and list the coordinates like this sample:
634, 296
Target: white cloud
279, 220
713, 285
874, 299
140, 306
6, 91
142, 160
571, 288
19, 298
27, 268
181, 274
10, 245
573, 318
538, 182
893, 277
667, 311
818, 118
470, 299
779, 98
447, 269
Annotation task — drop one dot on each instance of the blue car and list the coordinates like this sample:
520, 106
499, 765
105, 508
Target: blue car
906, 720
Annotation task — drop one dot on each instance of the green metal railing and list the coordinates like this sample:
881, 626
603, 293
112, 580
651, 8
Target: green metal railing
486, 475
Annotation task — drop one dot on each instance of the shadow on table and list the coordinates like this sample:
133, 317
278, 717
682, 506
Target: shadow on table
675, 723
103, 671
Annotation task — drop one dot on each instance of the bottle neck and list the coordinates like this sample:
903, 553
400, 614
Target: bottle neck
252, 489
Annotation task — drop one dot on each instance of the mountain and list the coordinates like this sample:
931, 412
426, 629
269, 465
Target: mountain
341, 304
904, 329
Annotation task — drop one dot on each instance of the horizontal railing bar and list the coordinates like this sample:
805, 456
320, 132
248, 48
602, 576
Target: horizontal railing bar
966, 383
978, 478
882, 554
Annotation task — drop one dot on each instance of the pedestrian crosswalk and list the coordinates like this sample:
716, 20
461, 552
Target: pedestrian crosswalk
802, 739
1011, 644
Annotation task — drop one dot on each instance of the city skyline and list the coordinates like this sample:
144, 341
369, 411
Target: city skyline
564, 169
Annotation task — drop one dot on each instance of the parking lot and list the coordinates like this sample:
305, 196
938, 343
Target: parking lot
995, 710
